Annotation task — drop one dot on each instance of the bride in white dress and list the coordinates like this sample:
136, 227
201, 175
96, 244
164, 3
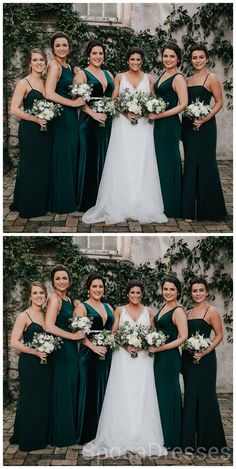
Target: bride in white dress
130, 185
130, 419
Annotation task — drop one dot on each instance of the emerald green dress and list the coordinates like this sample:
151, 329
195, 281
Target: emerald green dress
65, 151
167, 132
32, 188
93, 143
93, 376
167, 366
202, 425
31, 428
202, 193
65, 384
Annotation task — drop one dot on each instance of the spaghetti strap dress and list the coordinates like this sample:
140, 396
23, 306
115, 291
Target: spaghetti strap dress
202, 424
202, 192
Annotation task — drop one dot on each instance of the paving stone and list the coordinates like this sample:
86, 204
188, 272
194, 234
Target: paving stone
31, 460
60, 450
72, 454
17, 462
63, 462
63, 229
44, 462
44, 229
71, 221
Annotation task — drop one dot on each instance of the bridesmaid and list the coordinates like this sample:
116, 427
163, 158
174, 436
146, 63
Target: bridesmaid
171, 319
64, 361
202, 425
202, 193
31, 426
93, 373
171, 87
31, 195
93, 138
64, 127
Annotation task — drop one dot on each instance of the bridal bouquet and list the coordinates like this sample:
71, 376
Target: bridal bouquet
105, 105
133, 335
196, 343
156, 338
128, 101
45, 343
196, 110
105, 338
81, 90
154, 105
81, 324
45, 110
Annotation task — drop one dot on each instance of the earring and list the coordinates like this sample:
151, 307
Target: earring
88, 295
88, 61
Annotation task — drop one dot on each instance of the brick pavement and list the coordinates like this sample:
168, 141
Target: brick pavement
72, 223
71, 456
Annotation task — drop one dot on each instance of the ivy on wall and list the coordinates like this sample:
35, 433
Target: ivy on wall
28, 25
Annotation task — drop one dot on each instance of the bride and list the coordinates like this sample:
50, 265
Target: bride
130, 185
130, 419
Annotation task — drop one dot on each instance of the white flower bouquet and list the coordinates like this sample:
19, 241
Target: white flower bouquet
196, 110
81, 90
81, 324
44, 109
104, 338
128, 101
45, 343
156, 338
196, 343
104, 105
133, 335
154, 105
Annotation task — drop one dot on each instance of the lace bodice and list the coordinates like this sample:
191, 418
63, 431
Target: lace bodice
143, 85
143, 319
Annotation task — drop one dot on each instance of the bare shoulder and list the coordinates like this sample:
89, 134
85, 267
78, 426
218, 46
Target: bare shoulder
213, 311
150, 77
180, 78
151, 311
118, 310
110, 74
81, 75
179, 311
54, 299
118, 77
80, 310
110, 307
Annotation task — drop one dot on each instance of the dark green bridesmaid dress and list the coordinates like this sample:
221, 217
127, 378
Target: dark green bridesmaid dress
202, 425
32, 188
65, 384
167, 366
93, 376
202, 193
31, 429
93, 143
65, 151
167, 132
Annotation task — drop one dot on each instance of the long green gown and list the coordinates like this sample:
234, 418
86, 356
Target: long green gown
202, 425
31, 429
32, 188
65, 384
167, 132
202, 193
167, 365
93, 376
93, 143
65, 151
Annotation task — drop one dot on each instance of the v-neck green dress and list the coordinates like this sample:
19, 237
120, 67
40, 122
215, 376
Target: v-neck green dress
167, 366
167, 132
202, 425
93, 143
65, 384
93, 376
202, 193
65, 151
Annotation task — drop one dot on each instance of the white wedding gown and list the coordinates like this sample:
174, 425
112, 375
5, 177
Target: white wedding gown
130, 419
130, 185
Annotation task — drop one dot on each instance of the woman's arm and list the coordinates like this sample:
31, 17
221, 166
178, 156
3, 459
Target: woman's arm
20, 324
21, 90
151, 83
117, 86
53, 307
216, 323
116, 323
216, 89
180, 320
53, 75
151, 315
180, 87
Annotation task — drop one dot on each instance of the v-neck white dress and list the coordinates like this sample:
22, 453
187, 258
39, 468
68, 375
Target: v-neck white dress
130, 419
130, 184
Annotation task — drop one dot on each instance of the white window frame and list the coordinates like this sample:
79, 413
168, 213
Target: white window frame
103, 19
101, 252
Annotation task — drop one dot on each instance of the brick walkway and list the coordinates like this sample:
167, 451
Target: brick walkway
71, 456
71, 223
